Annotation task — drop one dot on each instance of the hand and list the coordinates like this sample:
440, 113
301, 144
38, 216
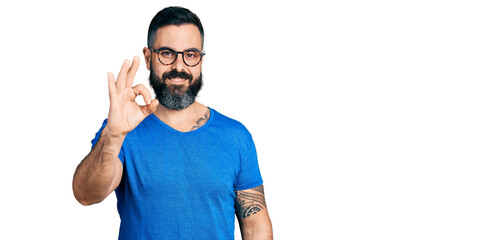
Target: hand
125, 114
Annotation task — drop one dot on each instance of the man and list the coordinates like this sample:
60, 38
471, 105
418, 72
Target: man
180, 170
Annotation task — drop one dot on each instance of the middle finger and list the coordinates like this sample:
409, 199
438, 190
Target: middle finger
132, 71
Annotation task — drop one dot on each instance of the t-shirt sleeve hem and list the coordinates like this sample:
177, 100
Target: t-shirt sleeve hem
248, 186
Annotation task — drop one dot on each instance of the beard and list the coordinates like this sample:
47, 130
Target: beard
175, 97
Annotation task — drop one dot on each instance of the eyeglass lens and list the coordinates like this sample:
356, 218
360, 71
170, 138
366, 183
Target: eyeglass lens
191, 58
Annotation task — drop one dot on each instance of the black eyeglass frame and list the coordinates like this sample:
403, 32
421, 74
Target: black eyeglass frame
202, 53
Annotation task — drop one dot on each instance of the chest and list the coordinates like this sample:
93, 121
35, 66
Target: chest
174, 165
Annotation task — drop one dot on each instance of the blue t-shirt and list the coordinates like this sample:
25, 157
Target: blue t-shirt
180, 185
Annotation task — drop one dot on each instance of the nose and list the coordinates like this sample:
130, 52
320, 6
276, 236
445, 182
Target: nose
179, 64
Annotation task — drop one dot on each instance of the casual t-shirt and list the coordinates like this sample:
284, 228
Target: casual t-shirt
180, 185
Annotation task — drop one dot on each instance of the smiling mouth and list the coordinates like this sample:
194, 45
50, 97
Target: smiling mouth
178, 80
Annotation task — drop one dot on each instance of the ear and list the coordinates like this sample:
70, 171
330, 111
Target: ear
147, 56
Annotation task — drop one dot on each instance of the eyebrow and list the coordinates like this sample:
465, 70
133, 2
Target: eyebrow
192, 49
188, 49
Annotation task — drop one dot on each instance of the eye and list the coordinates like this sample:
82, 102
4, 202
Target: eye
167, 54
191, 54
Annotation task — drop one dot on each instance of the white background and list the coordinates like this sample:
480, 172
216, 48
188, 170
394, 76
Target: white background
365, 114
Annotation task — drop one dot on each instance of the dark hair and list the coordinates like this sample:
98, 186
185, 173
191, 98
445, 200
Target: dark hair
173, 16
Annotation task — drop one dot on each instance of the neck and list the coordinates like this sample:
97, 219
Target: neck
181, 118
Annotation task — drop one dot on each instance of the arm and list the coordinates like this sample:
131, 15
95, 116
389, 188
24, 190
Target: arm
251, 211
101, 170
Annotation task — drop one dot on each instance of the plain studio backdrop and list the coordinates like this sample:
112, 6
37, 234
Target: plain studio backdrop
365, 114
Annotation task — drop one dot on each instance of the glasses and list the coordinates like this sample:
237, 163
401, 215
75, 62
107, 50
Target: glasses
167, 56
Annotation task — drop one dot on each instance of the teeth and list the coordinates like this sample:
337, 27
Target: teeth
177, 79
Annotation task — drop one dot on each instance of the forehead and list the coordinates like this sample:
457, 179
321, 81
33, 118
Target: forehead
179, 38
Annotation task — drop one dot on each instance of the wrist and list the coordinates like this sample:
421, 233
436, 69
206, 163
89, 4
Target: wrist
113, 136
109, 145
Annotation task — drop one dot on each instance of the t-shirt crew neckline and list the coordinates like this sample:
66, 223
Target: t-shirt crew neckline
211, 118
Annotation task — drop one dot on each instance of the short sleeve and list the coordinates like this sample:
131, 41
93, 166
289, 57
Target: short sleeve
97, 136
249, 175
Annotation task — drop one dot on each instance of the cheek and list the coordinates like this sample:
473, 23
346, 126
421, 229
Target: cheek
160, 70
197, 75
196, 72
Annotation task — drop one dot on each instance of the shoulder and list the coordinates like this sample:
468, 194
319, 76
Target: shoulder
229, 124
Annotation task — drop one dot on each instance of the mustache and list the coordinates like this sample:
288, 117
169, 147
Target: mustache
176, 74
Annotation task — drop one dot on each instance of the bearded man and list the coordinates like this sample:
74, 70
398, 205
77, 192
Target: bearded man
180, 170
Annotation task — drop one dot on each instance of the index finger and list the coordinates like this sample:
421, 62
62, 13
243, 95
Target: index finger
142, 90
132, 71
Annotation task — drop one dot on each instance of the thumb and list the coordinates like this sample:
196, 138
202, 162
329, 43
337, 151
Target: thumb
151, 107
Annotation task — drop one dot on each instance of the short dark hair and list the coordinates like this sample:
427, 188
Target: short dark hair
173, 16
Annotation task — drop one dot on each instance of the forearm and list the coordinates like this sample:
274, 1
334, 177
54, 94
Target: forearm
251, 211
262, 231
97, 173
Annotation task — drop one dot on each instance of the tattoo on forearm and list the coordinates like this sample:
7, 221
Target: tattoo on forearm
201, 120
248, 203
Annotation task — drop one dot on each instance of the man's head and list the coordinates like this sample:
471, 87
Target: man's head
174, 57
